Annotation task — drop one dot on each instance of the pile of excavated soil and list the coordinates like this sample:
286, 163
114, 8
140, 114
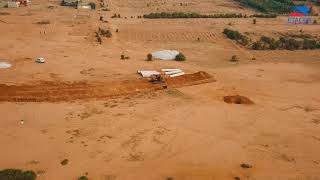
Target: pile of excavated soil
55, 91
237, 100
190, 79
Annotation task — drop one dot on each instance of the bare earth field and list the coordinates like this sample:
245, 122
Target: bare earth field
88, 106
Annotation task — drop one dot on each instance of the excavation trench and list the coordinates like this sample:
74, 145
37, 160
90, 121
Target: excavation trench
57, 91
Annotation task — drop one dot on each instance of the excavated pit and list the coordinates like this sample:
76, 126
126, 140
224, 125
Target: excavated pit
237, 100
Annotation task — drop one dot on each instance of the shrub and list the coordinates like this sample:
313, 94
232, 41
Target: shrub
234, 35
17, 174
83, 178
70, 4
180, 57
43, 22
237, 36
64, 162
309, 44
234, 58
257, 46
149, 57
105, 33
99, 39
92, 5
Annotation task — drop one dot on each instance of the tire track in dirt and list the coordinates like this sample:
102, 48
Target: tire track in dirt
57, 91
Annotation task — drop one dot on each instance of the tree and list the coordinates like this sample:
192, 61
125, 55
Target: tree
17, 174
180, 57
149, 57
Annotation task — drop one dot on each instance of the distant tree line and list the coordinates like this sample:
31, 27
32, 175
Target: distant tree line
303, 41
269, 6
175, 15
264, 15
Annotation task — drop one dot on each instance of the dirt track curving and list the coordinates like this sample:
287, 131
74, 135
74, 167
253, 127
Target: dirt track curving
55, 91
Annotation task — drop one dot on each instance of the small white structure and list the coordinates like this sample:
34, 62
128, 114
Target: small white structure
168, 72
173, 72
82, 5
165, 54
13, 4
4, 65
40, 60
149, 73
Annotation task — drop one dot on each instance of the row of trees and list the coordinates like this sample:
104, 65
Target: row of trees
190, 15
167, 15
237, 36
264, 15
267, 43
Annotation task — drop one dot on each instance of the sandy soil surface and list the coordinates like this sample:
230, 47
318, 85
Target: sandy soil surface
186, 131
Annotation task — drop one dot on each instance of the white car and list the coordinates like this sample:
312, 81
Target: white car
40, 60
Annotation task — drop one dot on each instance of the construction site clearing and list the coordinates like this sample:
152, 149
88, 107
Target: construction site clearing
158, 90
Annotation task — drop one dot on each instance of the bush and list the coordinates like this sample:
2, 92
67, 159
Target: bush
17, 174
64, 162
99, 39
70, 4
92, 5
309, 44
234, 58
257, 46
105, 33
180, 57
237, 36
149, 57
43, 22
83, 178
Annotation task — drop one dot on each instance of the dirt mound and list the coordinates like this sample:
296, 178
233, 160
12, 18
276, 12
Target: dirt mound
190, 79
237, 100
55, 91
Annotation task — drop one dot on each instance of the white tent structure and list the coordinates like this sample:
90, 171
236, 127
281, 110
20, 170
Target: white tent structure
4, 65
165, 54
